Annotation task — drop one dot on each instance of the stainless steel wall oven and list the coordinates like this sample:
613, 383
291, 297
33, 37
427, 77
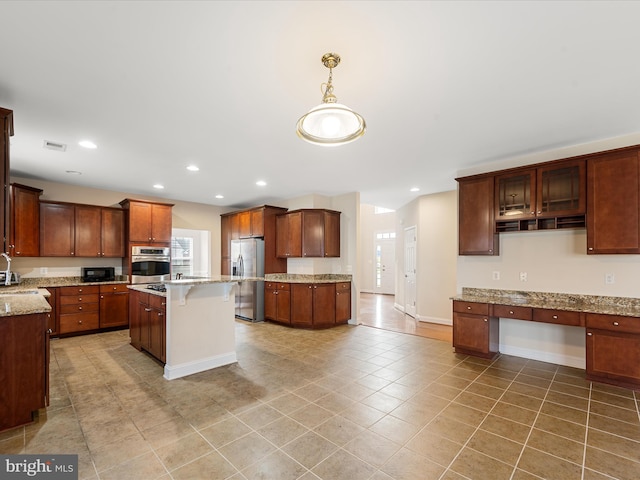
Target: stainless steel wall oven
150, 264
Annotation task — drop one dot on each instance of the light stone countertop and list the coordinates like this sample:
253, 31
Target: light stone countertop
624, 306
304, 278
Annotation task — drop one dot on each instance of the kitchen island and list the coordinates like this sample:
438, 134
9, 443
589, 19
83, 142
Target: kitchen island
199, 324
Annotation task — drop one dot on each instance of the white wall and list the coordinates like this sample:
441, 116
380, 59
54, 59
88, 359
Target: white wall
435, 217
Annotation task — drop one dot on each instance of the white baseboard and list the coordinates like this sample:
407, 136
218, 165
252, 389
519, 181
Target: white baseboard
558, 359
441, 321
399, 307
189, 368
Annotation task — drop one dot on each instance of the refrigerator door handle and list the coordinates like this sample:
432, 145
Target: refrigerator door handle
241, 263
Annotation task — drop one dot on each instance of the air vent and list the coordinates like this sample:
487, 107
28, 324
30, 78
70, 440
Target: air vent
59, 147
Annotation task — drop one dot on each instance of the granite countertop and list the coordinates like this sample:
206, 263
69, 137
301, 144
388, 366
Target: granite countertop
45, 282
301, 278
624, 306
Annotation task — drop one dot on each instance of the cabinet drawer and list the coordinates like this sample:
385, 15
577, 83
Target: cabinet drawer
80, 290
78, 299
560, 317
614, 323
284, 286
78, 322
118, 288
471, 307
508, 311
157, 301
270, 285
83, 307
343, 287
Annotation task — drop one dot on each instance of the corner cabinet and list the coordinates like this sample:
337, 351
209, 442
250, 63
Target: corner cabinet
476, 235
613, 210
308, 233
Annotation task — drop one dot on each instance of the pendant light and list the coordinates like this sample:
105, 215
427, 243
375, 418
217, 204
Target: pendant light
330, 123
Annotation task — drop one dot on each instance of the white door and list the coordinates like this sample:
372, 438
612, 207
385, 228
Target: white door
410, 241
384, 262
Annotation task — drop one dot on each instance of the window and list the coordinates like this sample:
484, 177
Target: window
385, 235
379, 210
182, 255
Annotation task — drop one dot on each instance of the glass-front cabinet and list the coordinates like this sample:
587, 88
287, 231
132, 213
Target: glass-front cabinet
547, 197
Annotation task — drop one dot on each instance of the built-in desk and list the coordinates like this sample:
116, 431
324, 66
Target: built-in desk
611, 326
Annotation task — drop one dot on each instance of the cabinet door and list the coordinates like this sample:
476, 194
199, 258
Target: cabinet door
135, 329
112, 232
57, 230
52, 323
301, 304
289, 235
331, 234
270, 301
25, 221
343, 302
257, 222
225, 245
144, 316
613, 356
157, 327
515, 195
161, 222
114, 308
88, 231
313, 233
561, 189
244, 224
613, 203
476, 231
284, 304
282, 236
475, 334
324, 304
139, 222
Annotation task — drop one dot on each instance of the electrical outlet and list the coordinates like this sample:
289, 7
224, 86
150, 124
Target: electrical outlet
609, 278
496, 275
523, 276
44, 270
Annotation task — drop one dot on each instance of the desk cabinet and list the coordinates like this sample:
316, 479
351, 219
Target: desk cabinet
474, 331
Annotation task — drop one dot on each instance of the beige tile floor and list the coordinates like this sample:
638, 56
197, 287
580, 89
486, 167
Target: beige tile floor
353, 402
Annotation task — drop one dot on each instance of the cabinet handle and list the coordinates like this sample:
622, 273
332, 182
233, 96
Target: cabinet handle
485, 320
79, 299
79, 322
98, 253
79, 290
555, 317
163, 304
309, 286
589, 333
590, 248
17, 253
71, 253
147, 309
511, 312
49, 331
159, 314
115, 288
101, 296
615, 324
80, 307
468, 308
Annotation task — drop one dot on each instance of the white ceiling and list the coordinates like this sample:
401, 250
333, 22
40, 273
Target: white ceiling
443, 87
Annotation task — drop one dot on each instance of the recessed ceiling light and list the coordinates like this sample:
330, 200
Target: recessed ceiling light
219, 196
414, 189
193, 168
73, 172
158, 186
261, 183
87, 144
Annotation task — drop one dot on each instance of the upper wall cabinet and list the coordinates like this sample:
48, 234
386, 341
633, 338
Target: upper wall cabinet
308, 233
24, 231
149, 222
550, 196
613, 210
476, 234
6, 131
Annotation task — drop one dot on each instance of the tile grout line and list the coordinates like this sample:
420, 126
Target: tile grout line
586, 431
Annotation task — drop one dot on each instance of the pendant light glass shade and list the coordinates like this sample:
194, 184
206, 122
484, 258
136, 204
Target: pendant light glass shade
330, 123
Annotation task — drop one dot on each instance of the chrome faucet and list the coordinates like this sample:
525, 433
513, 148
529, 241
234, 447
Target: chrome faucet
7, 273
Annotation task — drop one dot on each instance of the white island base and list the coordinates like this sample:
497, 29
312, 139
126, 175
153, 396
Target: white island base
200, 326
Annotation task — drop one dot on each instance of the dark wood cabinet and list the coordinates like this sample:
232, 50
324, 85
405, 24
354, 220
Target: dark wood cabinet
258, 222
87, 228
57, 229
148, 323
324, 304
476, 229
613, 349
24, 225
343, 302
6, 131
550, 196
475, 332
24, 373
149, 222
52, 316
112, 229
78, 309
114, 305
302, 304
613, 211
309, 233
277, 302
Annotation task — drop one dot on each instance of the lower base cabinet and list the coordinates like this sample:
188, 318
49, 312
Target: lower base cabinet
78, 309
613, 349
148, 323
24, 368
114, 306
474, 331
308, 305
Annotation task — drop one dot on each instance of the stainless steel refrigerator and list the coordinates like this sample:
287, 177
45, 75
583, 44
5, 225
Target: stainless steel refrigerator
247, 260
